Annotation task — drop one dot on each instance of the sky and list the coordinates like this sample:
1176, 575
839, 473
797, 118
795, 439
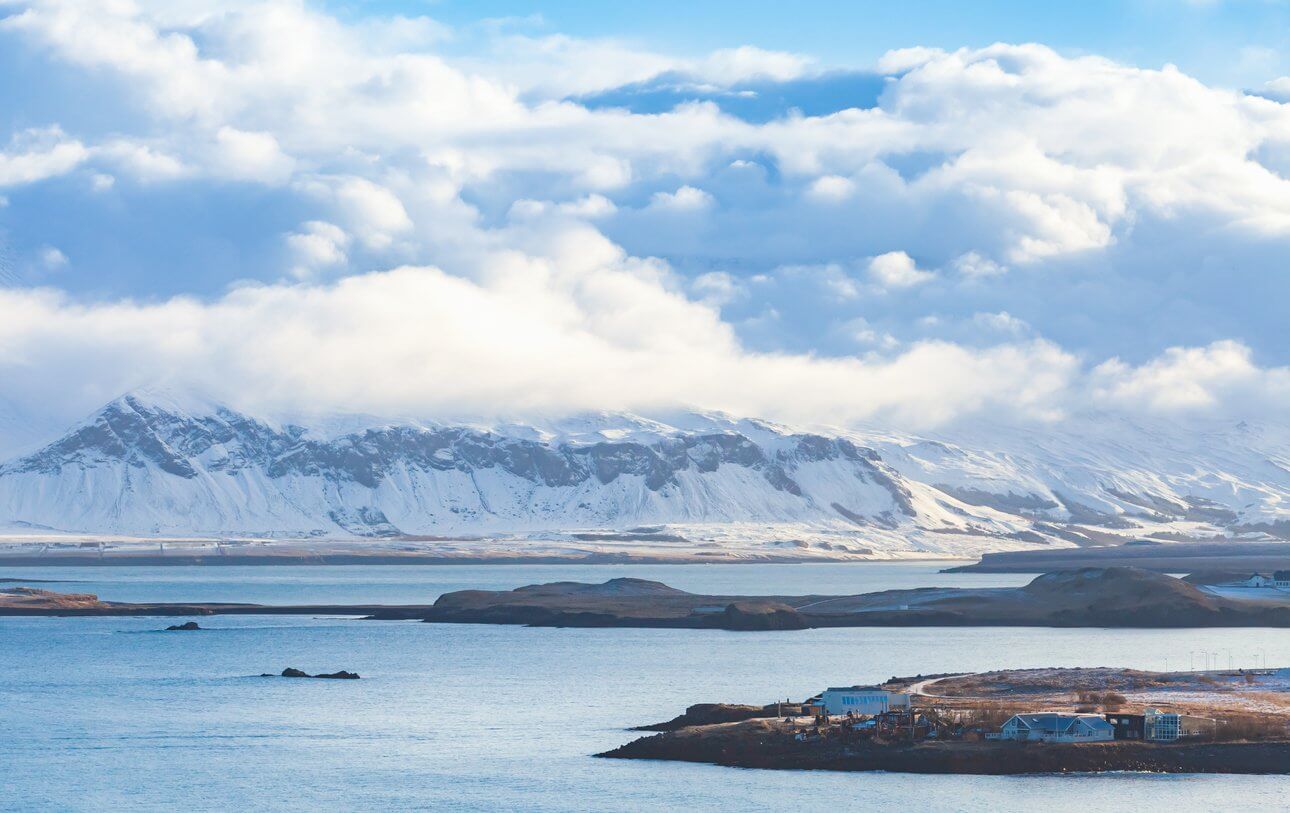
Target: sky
908, 214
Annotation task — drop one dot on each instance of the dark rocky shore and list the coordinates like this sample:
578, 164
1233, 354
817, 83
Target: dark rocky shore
766, 744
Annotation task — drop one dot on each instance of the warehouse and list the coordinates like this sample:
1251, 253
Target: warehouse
866, 700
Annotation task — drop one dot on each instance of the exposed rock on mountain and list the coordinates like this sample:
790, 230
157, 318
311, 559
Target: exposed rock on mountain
154, 464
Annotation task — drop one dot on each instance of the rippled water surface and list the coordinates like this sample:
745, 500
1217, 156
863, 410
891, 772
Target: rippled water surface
108, 713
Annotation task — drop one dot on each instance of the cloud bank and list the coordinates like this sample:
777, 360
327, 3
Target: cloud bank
387, 225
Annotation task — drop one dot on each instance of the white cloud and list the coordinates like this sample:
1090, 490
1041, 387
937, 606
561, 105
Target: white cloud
860, 331
973, 266
718, 288
416, 339
1222, 374
52, 259
684, 199
1279, 88
831, 188
978, 160
732, 65
1001, 322
590, 207
317, 245
373, 212
896, 269
249, 156
34, 155
141, 161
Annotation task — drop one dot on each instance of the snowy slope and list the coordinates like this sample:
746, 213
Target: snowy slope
156, 463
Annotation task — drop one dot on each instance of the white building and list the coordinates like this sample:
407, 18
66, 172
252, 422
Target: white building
861, 700
1056, 726
1259, 580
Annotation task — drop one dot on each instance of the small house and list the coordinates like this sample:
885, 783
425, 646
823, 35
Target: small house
1259, 580
1057, 726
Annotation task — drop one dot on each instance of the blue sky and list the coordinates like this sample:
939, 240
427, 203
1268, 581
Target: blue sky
1233, 42
914, 214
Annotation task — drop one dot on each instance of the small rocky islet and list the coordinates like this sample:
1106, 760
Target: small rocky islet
292, 672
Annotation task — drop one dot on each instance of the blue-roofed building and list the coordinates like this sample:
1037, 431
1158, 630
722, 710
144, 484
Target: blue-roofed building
1056, 726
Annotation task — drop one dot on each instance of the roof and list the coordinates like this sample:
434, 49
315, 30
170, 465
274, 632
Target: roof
1060, 722
1282, 575
858, 689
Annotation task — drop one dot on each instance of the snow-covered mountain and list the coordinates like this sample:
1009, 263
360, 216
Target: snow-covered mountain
156, 464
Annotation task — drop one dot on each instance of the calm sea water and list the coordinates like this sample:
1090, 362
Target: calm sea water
110, 714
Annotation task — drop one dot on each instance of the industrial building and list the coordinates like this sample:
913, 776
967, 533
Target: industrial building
859, 700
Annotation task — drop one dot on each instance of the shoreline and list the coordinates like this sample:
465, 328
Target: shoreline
274, 559
767, 749
1111, 598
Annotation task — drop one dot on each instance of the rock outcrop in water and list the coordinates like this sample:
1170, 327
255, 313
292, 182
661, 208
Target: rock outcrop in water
291, 672
187, 626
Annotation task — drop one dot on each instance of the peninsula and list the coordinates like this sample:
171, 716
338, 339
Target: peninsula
1012, 722
1089, 597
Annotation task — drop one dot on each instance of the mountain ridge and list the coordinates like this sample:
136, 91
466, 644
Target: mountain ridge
151, 463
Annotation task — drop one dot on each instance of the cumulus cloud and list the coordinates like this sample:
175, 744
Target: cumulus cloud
831, 188
374, 212
34, 155
317, 245
416, 340
569, 250
718, 288
250, 156
896, 269
684, 199
973, 266
1193, 379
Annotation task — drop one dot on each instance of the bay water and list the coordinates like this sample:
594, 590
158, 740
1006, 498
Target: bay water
113, 714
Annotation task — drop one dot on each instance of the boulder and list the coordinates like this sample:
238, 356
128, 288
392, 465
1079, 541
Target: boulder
187, 626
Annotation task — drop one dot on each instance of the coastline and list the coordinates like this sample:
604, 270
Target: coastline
1113, 598
767, 745
1238, 723
220, 553
386, 558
